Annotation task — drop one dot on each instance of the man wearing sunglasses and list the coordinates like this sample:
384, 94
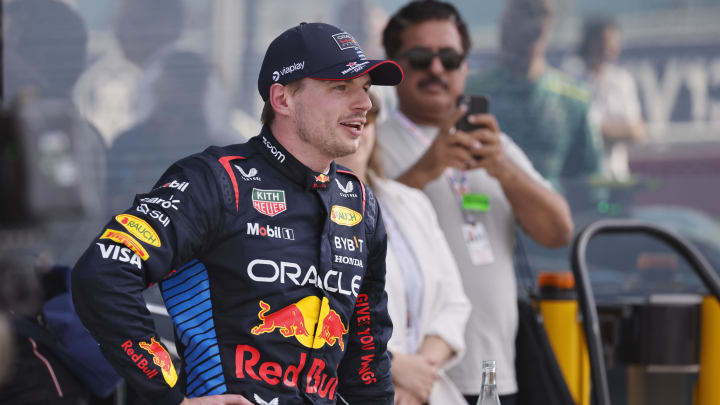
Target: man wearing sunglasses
481, 185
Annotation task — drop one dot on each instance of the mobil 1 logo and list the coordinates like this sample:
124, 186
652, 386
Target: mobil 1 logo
253, 228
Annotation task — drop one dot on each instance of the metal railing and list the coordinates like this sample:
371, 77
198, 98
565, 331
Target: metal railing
591, 325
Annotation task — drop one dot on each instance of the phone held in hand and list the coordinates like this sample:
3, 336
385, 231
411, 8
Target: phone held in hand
477, 104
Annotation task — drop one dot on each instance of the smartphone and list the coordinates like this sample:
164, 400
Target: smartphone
477, 104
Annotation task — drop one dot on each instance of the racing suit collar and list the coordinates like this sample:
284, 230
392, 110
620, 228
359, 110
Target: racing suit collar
281, 159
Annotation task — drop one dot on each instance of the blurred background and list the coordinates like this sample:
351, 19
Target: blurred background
114, 91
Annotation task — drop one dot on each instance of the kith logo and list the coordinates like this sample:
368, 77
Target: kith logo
250, 175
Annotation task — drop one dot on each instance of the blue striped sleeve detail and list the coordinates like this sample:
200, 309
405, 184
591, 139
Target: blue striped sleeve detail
187, 299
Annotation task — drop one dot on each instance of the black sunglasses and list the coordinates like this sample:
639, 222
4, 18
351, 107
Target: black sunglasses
421, 58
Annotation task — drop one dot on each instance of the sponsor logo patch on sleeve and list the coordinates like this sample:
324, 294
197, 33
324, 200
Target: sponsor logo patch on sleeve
162, 359
127, 240
139, 228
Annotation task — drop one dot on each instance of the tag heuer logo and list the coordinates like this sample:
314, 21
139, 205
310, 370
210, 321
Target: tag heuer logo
269, 202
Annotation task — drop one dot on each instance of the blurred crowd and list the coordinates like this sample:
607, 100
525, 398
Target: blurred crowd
95, 135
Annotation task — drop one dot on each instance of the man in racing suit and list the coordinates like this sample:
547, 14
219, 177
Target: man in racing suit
269, 257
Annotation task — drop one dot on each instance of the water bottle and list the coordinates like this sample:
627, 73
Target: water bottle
488, 394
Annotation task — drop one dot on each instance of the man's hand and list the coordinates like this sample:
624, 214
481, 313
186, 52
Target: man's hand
489, 155
450, 148
217, 400
405, 397
415, 374
543, 213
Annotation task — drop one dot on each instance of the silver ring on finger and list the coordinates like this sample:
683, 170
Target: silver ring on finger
452, 130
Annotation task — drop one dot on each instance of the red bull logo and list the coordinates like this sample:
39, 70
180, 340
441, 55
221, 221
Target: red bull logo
298, 319
331, 328
161, 358
139, 359
249, 364
289, 320
321, 181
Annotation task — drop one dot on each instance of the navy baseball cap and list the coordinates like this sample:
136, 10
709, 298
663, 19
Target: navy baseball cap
324, 52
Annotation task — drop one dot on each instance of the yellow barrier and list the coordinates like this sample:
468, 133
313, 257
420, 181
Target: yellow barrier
559, 309
708, 386
568, 342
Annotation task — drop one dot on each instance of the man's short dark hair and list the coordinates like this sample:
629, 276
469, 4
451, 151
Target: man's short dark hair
417, 12
594, 29
268, 114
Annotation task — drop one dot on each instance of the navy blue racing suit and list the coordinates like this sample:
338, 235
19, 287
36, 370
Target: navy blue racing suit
273, 275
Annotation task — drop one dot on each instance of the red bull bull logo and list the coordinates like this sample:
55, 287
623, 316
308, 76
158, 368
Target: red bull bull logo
321, 181
300, 318
331, 329
161, 358
289, 320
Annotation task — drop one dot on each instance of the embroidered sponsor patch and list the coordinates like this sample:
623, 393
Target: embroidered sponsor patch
354, 67
127, 240
139, 359
251, 174
139, 228
269, 202
345, 41
118, 253
344, 216
179, 185
162, 359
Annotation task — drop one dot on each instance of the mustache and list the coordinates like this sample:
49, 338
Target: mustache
432, 80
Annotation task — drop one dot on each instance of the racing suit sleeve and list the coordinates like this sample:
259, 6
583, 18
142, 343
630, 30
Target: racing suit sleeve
162, 230
364, 372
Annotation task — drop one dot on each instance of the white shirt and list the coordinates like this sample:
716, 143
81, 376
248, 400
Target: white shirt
491, 288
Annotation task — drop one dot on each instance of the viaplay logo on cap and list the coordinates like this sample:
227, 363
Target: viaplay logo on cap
287, 70
345, 41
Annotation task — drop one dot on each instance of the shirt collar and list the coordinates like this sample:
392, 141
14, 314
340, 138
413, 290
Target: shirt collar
286, 163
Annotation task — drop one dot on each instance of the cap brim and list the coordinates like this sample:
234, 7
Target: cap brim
382, 72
